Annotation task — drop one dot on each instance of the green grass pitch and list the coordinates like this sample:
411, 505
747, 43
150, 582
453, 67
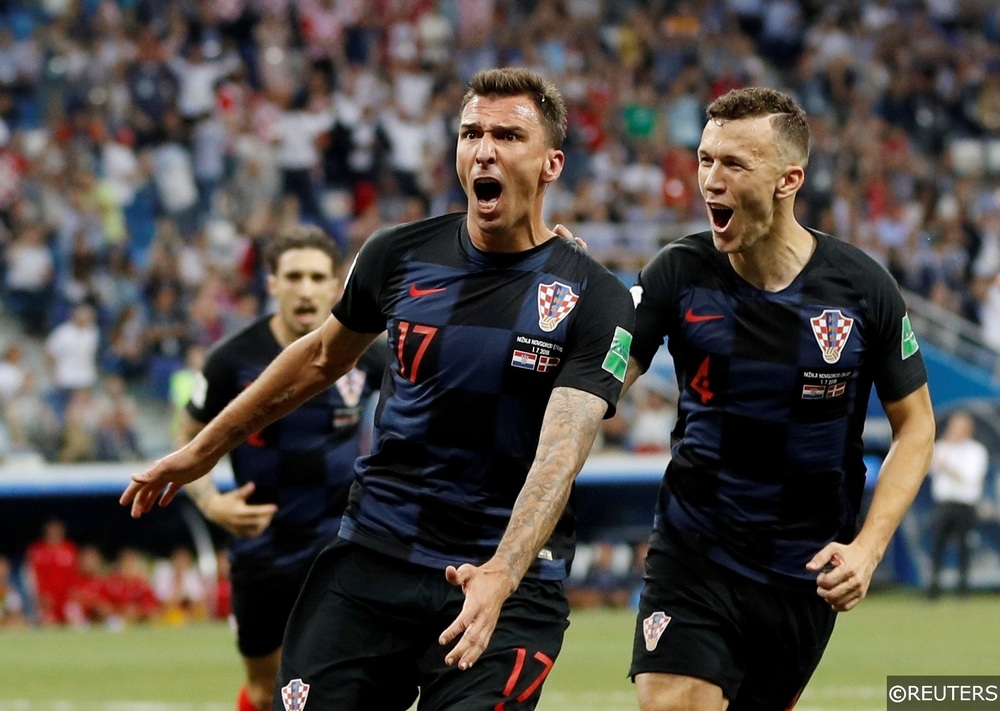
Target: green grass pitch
196, 668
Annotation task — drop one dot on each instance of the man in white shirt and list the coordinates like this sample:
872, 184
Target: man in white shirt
71, 353
958, 471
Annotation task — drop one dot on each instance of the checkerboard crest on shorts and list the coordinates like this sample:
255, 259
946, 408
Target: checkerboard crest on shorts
294, 694
652, 628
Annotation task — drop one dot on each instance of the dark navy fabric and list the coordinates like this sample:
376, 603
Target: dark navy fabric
478, 341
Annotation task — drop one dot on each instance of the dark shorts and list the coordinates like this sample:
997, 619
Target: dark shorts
758, 643
364, 633
262, 604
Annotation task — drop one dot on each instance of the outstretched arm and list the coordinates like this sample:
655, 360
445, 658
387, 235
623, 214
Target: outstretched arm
302, 369
230, 510
850, 567
569, 427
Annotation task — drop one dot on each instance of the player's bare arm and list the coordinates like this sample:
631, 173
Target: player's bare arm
851, 566
230, 510
572, 419
569, 427
302, 369
631, 375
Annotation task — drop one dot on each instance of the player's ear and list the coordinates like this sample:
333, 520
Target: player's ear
790, 181
552, 168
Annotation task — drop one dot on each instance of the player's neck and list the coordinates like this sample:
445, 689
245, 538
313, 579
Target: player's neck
281, 334
775, 261
518, 238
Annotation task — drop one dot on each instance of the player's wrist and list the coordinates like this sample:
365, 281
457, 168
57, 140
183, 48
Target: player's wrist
210, 506
507, 574
870, 547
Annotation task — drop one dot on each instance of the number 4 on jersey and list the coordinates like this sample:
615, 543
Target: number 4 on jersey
700, 383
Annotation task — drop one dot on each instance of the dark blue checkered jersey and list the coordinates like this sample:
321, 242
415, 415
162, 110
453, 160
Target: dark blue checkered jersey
303, 462
478, 341
766, 464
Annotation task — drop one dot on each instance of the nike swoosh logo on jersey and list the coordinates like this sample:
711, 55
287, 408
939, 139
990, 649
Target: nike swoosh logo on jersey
692, 317
416, 292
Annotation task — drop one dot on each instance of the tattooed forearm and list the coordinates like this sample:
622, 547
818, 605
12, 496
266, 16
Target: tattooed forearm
291, 379
264, 413
568, 430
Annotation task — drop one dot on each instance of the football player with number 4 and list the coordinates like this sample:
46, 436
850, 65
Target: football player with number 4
778, 333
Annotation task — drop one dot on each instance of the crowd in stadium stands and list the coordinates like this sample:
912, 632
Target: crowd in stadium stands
62, 583
149, 148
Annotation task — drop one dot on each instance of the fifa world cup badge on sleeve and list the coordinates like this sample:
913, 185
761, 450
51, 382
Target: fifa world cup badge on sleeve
909, 344
616, 361
652, 628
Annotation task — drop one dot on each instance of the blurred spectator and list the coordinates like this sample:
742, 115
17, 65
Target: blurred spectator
412, 137
12, 373
32, 423
79, 429
958, 472
180, 589
989, 313
117, 438
29, 278
126, 352
71, 353
210, 149
642, 176
183, 382
88, 600
296, 131
655, 415
51, 566
13, 166
120, 166
614, 431
12, 612
607, 581
256, 181
167, 335
197, 76
128, 590
173, 175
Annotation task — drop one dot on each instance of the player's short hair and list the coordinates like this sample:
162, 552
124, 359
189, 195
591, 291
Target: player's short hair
787, 118
299, 237
516, 81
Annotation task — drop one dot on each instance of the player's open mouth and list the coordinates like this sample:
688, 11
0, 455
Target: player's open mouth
305, 311
720, 216
487, 192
